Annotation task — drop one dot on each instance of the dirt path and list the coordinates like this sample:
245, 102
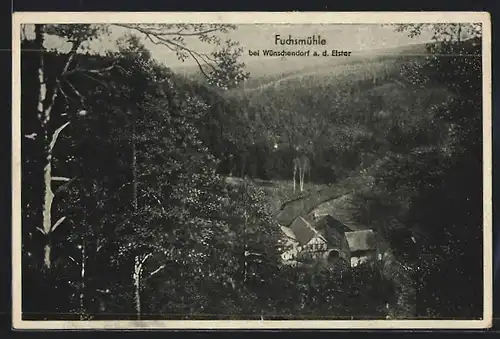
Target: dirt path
325, 199
342, 209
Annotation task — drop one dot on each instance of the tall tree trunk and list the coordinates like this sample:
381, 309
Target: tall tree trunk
301, 178
48, 227
42, 86
44, 118
82, 283
136, 274
134, 166
309, 176
137, 286
139, 261
245, 216
47, 202
44, 112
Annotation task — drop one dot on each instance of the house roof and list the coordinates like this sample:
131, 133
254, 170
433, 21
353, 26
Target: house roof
303, 230
288, 232
329, 223
361, 240
332, 231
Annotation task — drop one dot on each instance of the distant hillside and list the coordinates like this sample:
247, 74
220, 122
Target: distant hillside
343, 113
267, 69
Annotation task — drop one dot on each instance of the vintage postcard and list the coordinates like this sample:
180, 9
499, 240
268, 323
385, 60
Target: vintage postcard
252, 170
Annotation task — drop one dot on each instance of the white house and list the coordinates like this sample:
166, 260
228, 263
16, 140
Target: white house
327, 241
306, 244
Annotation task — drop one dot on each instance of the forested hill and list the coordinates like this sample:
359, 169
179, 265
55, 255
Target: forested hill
267, 69
342, 114
412, 121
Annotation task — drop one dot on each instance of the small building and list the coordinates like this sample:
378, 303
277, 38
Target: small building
325, 242
329, 241
306, 245
362, 246
333, 231
289, 245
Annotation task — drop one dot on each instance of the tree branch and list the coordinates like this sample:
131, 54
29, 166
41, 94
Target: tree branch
71, 55
58, 222
31, 136
82, 99
155, 272
169, 43
178, 33
155, 198
96, 80
56, 135
60, 179
66, 96
198, 63
145, 258
64, 186
96, 71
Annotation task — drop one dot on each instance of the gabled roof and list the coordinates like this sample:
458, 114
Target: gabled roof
330, 223
288, 232
303, 230
331, 230
361, 240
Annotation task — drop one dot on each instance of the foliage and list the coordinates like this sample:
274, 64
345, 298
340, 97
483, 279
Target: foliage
342, 117
138, 131
428, 198
147, 150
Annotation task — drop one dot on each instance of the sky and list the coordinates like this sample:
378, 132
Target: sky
348, 37
341, 37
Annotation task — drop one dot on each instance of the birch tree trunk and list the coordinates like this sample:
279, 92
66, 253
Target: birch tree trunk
137, 260
44, 112
44, 119
48, 227
294, 174
82, 284
245, 216
301, 178
134, 165
137, 286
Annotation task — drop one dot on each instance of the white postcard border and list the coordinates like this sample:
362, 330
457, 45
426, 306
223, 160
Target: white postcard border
251, 18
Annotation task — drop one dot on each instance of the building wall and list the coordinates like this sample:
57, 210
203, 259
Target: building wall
291, 250
316, 244
361, 258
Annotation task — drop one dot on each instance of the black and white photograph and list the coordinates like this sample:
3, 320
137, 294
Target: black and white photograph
251, 170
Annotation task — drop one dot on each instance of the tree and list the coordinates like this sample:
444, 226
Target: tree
47, 95
64, 93
78, 36
445, 178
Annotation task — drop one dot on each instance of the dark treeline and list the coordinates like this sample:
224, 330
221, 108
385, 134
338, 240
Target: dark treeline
342, 120
427, 198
